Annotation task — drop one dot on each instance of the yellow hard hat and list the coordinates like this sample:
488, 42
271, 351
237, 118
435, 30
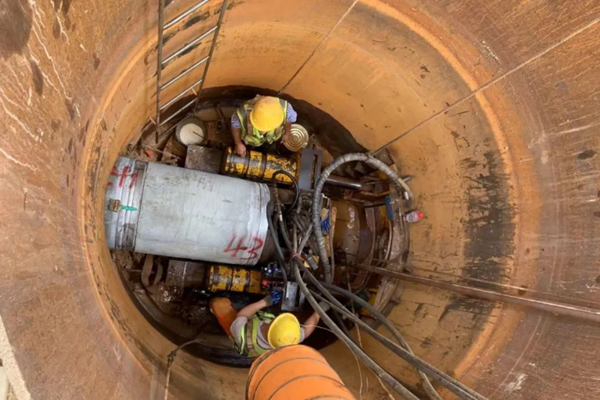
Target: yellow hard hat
284, 331
266, 114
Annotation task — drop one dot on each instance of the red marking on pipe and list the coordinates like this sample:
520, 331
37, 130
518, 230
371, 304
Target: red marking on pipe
239, 247
258, 244
123, 175
134, 178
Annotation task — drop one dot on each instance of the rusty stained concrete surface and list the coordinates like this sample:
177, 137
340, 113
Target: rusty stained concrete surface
508, 178
49, 90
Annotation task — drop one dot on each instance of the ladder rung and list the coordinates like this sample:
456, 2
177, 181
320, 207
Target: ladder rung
178, 112
183, 73
184, 14
180, 95
187, 46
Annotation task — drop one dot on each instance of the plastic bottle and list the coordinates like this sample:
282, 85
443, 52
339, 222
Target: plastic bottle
413, 216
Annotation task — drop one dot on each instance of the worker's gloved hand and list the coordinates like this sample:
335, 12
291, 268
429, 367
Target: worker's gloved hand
325, 221
240, 149
326, 225
273, 298
325, 306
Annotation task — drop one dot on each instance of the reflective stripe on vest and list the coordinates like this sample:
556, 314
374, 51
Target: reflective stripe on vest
249, 346
255, 138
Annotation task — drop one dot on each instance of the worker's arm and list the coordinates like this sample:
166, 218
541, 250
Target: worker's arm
273, 298
291, 118
252, 309
240, 147
311, 324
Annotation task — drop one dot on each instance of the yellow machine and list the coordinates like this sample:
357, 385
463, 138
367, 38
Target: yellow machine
259, 166
233, 279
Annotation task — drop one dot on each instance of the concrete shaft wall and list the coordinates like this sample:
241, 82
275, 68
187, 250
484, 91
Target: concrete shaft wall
494, 106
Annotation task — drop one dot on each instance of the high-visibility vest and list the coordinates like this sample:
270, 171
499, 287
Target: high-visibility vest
249, 346
252, 136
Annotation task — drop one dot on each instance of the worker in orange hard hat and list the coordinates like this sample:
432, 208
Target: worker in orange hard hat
262, 120
255, 331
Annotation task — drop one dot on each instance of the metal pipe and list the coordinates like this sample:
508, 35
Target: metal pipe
181, 94
176, 113
159, 209
187, 46
378, 204
184, 73
563, 309
185, 14
161, 13
341, 181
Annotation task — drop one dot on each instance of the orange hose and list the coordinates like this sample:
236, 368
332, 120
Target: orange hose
222, 309
294, 373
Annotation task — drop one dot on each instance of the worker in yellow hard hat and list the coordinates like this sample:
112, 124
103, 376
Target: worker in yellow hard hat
262, 120
255, 332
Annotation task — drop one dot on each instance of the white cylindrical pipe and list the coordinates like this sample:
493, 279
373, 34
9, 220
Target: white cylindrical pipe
184, 213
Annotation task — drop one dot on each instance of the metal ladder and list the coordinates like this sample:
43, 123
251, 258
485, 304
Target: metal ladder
162, 63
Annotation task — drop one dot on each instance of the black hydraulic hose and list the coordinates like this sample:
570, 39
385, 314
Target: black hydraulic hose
296, 188
278, 249
278, 206
450, 383
364, 357
305, 237
307, 229
340, 322
428, 387
301, 225
332, 262
284, 232
396, 181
